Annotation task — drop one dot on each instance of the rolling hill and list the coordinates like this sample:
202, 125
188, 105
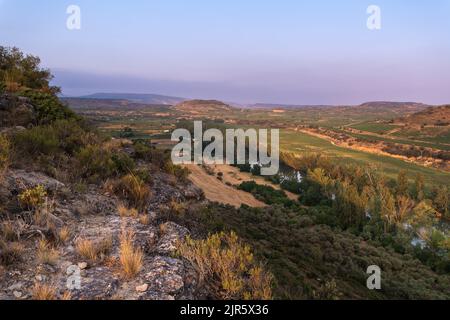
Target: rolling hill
202, 106
137, 97
109, 104
432, 116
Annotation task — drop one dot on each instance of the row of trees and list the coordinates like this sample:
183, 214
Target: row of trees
364, 201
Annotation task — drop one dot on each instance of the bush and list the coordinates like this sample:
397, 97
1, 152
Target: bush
62, 136
36, 141
33, 198
267, 194
227, 267
96, 162
48, 107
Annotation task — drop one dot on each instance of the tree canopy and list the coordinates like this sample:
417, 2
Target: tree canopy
23, 71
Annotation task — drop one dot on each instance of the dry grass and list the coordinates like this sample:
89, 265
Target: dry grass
132, 189
144, 219
64, 234
46, 254
131, 258
217, 191
10, 253
67, 296
125, 212
177, 208
43, 292
8, 231
94, 251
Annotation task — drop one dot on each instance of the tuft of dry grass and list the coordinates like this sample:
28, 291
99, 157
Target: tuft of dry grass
132, 189
87, 249
177, 208
144, 219
125, 212
64, 234
10, 253
94, 251
43, 292
46, 254
66, 296
131, 258
8, 231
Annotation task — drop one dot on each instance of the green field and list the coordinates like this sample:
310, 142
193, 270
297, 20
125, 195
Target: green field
298, 142
379, 128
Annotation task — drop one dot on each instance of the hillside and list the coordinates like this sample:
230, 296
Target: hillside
202, 106
86, 217
432, 116
137, 97
406, 106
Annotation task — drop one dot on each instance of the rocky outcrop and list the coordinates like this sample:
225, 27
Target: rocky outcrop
15, 111
19, 180
93, 216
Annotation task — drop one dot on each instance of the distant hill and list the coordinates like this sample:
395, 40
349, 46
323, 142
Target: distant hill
404, 106
284, 106
109, 104
202, 106
432, 116
137, 97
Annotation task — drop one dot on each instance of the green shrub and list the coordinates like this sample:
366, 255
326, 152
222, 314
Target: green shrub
36, 141
62, 136
95, 162
48, 107
123, 163
267, 194
228, 267
33, 198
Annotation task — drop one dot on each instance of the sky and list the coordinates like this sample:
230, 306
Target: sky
247, 51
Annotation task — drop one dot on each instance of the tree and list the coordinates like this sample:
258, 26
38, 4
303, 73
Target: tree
402, 184
320, 177
404, 207
419, 188
442, 201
